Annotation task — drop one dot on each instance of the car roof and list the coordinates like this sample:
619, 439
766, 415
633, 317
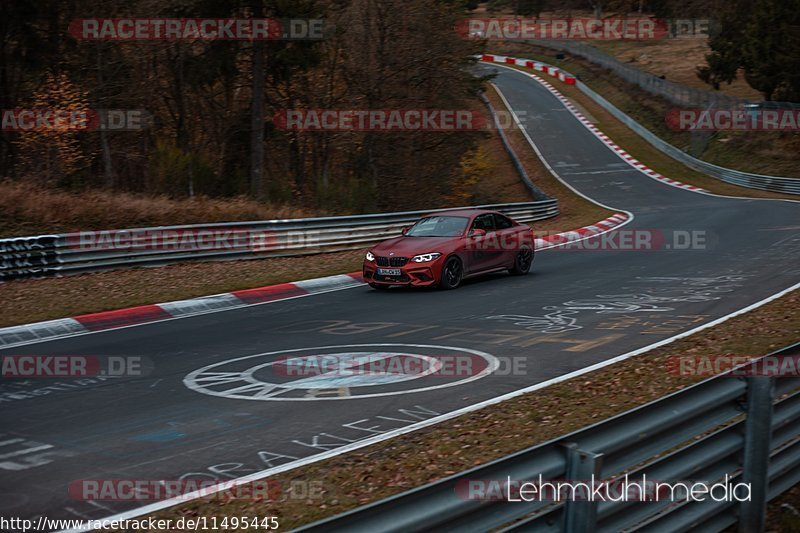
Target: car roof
461, 213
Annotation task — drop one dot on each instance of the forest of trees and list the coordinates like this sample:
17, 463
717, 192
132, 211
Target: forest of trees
761, 38
212, 101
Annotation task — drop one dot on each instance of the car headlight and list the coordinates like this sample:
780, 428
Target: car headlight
424, 258
370, 257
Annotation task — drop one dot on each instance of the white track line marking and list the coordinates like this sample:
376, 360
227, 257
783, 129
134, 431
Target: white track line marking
26, 451
159, 506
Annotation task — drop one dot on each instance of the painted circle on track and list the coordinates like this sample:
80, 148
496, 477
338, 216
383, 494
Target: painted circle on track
341, 372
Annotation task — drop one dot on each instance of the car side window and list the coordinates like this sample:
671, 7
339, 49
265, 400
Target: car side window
502, 222
484, 222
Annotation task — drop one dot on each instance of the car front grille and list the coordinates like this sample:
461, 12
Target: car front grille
391, 261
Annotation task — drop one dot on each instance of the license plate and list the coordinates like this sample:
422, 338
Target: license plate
389, 271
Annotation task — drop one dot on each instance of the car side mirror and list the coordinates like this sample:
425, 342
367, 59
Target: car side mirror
405, 230
477, 232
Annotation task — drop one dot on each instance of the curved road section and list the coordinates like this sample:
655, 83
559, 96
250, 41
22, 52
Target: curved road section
232, 393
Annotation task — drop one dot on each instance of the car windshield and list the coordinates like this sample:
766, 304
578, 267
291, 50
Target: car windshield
438, 227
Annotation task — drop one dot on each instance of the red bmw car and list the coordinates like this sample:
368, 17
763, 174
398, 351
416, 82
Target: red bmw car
444, 248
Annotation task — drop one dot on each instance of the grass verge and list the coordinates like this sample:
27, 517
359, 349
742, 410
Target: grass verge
28, 209
413, 459
677, 60
783, 513
45, 299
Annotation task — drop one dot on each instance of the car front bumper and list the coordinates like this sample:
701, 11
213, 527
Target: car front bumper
412, 274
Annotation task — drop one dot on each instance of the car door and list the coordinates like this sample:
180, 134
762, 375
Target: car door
508, 239
480, 253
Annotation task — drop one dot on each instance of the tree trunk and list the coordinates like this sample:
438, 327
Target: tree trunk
597, 6
181, 133
108, 165
257, 123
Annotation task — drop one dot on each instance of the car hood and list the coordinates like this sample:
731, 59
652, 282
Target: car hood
411, 246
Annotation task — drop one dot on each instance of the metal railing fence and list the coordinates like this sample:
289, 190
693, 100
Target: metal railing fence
92, 251
735, 177
676, 93
747, 428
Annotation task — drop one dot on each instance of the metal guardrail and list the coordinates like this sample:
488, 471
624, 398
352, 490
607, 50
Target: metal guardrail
746, 428
680, 95
676, 93
744, 179
736, 177
92, 251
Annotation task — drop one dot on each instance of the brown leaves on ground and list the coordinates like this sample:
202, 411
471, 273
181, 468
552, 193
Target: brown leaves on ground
28, 209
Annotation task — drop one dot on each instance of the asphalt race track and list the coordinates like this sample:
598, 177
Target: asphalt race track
576, 308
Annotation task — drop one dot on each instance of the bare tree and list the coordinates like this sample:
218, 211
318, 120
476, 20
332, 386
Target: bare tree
257, 123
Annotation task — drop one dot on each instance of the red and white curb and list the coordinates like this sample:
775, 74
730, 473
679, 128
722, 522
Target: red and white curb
570, 80
145, 314
556, 72
605, 225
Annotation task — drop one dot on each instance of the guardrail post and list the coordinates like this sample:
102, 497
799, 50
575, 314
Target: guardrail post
757, 443
582, 467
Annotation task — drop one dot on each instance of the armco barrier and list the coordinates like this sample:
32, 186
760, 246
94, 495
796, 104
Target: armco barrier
745, 428
535, 191
91, 251
735, 177
677, 93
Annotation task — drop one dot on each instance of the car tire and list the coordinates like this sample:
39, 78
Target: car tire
522, 262
452, 274
378, 287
